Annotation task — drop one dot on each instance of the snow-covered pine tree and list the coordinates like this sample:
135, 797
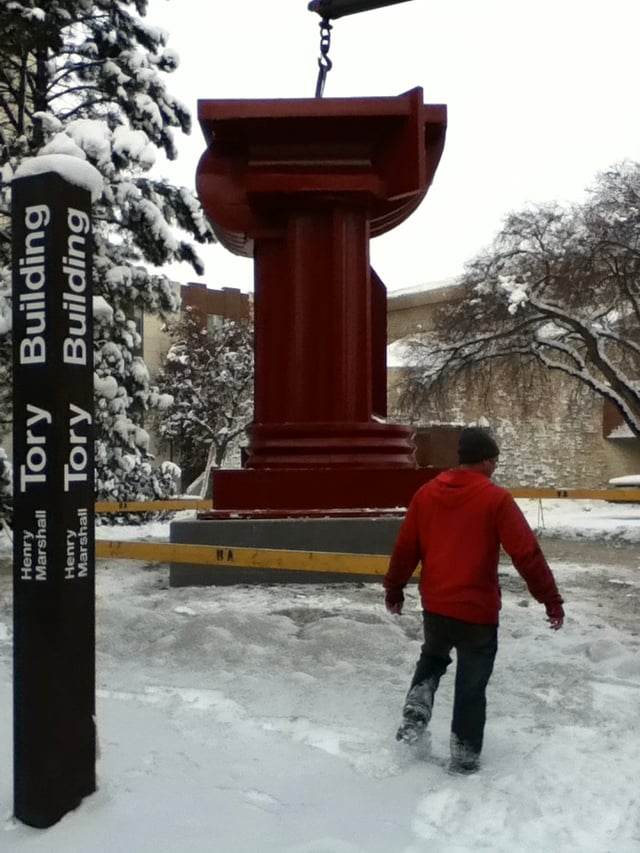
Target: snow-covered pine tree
6, 494
209, 373
86, 78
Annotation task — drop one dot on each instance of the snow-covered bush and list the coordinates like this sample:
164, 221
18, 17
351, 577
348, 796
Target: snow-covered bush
209, 375
6, 489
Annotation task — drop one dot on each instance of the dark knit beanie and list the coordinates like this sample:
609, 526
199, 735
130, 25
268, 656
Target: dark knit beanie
476, 445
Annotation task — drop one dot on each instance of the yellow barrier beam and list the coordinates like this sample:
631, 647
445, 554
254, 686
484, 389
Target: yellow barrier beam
615, 495
151, 506
257, 558
305, 561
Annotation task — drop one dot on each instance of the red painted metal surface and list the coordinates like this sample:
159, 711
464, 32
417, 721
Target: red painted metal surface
302, 186
335, 491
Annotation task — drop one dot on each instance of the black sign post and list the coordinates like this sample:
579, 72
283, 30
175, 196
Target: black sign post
54, 553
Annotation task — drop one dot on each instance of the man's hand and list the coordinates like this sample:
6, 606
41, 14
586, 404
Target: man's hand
393, 600
555, 613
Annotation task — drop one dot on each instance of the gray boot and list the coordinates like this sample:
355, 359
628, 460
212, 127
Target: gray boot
416, 712
464, 760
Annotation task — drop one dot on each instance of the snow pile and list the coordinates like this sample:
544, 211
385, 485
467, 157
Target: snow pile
630, 481
614, 523
73, 169
244, 718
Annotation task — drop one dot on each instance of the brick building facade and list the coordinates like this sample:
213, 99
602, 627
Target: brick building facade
216, 305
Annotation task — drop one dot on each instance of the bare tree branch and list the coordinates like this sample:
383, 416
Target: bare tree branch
560, 287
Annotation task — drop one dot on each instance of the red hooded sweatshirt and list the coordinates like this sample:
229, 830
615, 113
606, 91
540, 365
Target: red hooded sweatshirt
454, 526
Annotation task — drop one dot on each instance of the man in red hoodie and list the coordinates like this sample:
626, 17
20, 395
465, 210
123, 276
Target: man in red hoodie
454, 527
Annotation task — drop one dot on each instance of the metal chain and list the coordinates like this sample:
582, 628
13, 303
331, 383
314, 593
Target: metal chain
324, 63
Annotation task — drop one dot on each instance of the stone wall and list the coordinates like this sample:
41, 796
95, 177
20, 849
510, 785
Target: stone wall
550, 431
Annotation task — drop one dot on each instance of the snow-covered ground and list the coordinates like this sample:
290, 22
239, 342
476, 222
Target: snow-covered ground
262, 718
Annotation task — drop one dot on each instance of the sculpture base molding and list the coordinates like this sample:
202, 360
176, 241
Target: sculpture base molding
281, 492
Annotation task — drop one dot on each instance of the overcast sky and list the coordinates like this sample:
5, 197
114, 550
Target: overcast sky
541, 95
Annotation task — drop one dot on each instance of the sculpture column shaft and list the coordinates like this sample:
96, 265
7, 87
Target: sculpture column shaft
313, 320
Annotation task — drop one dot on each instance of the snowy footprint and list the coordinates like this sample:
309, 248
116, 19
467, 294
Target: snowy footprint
363, 751
262, 800
440, 813
437, 814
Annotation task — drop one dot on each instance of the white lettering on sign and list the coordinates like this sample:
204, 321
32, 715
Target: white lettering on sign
34, 468
83, 543
31, 269
76, 470
41, 539
26, 570
77, 548
70, 561
74, 299
34, 550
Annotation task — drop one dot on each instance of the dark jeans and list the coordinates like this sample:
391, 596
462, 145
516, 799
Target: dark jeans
476, 647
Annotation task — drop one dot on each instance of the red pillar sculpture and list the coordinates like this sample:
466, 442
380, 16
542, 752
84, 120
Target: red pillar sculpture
302, 186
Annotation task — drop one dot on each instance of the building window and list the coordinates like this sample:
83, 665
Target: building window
214, 321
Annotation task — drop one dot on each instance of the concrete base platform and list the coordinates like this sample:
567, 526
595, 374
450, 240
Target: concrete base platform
338, 535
